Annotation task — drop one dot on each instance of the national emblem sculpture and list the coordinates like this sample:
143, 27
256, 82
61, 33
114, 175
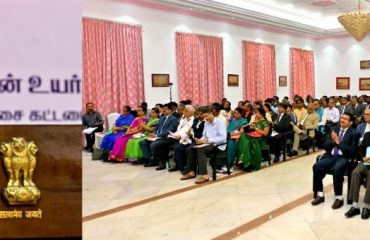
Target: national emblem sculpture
20, 162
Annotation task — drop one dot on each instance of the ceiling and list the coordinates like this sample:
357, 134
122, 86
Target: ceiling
288, 15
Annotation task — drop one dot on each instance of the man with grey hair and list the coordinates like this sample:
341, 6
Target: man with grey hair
181, 134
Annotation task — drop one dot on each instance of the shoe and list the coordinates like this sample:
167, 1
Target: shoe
173, 169
202, 180
365, 213
161, 167
187, 176
294, 153
337, 204
318, 200
151, 164
276, 159
352, 212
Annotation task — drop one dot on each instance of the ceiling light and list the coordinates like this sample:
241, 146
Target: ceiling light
323, 3
356, 23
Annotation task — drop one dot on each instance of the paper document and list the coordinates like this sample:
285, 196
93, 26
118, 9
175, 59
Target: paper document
367, 155
201, 145
152, 139
274, 133
89, 130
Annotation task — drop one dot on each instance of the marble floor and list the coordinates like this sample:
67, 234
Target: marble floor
122, 201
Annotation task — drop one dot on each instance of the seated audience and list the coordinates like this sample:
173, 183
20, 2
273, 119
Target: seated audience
117, 153
119, 128
235, 124
180, 148
214, 133
330, 116
181, 135
152, 145
91, 119
309, 122
133, 151
359, 174
341, 146
280, 128
251, 138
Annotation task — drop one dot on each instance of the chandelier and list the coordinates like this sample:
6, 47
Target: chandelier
356, 23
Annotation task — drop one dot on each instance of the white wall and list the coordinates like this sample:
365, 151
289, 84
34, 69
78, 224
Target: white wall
340, 58
159, 29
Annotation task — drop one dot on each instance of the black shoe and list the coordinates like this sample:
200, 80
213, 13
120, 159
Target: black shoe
337, 204
276, 159
318, 200
294, 153
173, 169
352, 212
365, 213
161, 167
151, 164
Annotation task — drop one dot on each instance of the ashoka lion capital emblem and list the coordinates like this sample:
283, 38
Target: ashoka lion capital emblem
20, 163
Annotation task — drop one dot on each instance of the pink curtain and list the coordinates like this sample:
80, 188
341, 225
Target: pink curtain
199, 67
112, 65
302, 80
259, 71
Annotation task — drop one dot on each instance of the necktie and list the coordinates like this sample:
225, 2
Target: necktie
278, 119
343, 109
161, 129
336, 150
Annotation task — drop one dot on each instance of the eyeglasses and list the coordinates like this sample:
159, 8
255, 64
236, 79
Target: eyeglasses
345, 118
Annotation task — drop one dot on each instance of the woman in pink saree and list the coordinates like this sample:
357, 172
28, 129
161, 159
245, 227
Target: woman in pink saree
117, 153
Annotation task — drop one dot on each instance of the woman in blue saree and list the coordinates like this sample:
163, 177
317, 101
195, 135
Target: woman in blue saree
119, 128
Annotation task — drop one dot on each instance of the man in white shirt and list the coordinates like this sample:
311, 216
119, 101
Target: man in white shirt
330, 116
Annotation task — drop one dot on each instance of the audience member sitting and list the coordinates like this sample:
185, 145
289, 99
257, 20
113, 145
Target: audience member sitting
309, 122
91, 119
330, 116
214, 133
235, 124
248, 111
133, 151
181, 135
119, 128
280, 128
361, 172
345, 107
119, 147
154, 142
341, 146
270, 115
290, 112
299, 110
180, 148
249, 144
363, 127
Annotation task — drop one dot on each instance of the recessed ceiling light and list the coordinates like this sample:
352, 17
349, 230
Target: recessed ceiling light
323, 3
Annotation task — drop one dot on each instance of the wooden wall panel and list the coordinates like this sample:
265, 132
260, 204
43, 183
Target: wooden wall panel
58, 176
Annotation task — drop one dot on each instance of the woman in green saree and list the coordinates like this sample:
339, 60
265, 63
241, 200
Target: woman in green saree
133, 151
250, 141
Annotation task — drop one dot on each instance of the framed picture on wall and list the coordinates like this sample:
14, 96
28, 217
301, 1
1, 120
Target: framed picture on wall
232, 80
160, 80
343, 82
283, 81
365, 84
365, 64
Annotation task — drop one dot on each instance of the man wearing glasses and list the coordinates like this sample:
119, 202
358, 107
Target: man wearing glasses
339, 147
361, 171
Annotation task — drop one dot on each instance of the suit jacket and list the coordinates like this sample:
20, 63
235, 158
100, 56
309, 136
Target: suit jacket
283, 125
360, 130
348, 145
347, 109
311, 123
166, 126
364, 145
359, 110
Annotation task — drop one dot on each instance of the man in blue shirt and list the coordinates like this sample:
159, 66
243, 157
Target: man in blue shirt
214, 133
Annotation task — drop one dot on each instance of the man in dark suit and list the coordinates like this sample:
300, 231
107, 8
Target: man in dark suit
280, 128
339, 147
363, 127
152, 145
361, 172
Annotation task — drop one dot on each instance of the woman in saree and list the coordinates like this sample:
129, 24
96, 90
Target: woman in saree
235, 124
251, 138
133, 151
136, 127
119, 128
